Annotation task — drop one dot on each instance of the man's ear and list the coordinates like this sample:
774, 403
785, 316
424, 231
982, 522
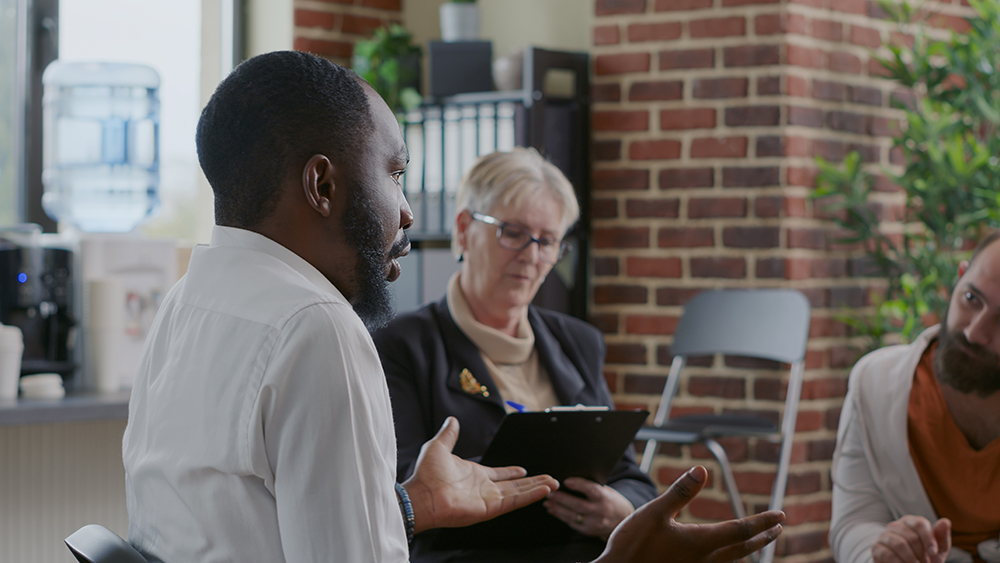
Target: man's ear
318, 184
962, 267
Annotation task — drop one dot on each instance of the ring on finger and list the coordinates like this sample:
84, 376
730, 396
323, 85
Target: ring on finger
579, 518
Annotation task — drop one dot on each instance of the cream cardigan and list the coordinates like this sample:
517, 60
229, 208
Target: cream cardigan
874, 479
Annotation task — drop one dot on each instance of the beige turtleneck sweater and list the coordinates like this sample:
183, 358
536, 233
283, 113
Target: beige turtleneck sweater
512, 361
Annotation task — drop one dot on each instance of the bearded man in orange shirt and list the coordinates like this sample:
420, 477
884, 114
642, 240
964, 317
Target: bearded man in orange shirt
916, 472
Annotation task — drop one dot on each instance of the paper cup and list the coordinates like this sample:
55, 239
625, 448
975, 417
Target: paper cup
11, 350
105, 303
105, 351
105, 324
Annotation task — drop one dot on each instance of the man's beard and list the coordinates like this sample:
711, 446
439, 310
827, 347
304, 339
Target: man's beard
373, 300
978, 372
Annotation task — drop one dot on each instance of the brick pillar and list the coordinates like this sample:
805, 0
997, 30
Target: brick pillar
330, 28
707, 117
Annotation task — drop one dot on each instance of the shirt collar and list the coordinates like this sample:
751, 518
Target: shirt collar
242, 238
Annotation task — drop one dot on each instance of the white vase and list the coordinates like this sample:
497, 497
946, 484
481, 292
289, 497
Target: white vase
508, 70
459, 22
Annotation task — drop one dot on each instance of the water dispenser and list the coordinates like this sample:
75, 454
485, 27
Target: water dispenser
101, 163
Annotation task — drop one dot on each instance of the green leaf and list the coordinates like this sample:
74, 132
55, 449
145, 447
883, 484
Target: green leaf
950, 172
409, 98
390, 63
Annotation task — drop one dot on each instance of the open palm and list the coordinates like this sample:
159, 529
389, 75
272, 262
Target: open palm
651, 534
450, 492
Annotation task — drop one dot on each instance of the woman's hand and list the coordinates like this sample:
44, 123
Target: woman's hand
597, 515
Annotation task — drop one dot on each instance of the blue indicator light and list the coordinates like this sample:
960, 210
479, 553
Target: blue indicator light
22, 277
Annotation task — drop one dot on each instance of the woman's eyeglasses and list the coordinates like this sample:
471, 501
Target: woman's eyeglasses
517, 238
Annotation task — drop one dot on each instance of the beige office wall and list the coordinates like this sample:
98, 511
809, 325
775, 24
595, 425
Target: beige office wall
269, 26
554, 24
54, 478
512, 24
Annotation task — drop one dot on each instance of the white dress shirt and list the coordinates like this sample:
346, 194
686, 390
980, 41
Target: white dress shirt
260, 427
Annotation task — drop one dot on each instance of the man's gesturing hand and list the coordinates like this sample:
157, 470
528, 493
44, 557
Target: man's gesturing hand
449, 492
912, 539
652, 534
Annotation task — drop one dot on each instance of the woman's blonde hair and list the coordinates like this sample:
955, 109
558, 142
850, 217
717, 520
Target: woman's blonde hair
510, 178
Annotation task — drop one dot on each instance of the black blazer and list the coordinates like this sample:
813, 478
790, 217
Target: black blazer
424, 352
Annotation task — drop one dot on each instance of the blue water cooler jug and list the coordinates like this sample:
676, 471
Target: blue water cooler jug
101, 154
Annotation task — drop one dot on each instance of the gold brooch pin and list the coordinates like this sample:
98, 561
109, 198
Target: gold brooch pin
470, 385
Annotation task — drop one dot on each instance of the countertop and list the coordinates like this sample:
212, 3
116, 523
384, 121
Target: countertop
75, 407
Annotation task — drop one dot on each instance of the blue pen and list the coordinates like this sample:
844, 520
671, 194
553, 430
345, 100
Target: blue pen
516, 406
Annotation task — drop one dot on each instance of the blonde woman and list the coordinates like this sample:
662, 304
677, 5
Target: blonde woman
483, 347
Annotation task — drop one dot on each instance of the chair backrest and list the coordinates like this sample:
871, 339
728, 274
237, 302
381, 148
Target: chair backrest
96, 544
763, 323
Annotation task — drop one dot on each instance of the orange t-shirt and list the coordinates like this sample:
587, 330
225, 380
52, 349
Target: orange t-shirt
963, 484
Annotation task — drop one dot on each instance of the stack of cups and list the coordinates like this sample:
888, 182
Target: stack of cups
42, 386
11, 349
105, 329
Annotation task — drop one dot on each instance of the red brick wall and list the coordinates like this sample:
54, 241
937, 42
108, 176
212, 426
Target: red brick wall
330, 28
707, 117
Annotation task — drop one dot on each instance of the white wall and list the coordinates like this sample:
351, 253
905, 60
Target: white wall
512, 24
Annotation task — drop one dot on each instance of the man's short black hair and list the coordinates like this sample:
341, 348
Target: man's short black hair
986, 241
266, 119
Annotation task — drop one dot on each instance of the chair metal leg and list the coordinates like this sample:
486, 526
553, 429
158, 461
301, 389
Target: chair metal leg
647, 456
766, 554
662, 411
788, 424
787, 440
780, 482
727, 474
735, 499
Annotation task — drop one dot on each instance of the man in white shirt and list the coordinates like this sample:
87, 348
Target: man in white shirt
259, 426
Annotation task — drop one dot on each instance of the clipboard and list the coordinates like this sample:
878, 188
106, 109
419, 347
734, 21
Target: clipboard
564, 443
583, 442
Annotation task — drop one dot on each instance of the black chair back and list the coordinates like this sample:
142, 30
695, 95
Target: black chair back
96, 544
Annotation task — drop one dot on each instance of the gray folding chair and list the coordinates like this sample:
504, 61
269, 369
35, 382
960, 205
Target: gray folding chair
771, 324
96, 544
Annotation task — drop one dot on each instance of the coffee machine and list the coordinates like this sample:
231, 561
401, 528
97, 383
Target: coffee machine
36, 295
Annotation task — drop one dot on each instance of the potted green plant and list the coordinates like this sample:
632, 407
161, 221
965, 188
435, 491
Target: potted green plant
949, 142
459, 20
390, 62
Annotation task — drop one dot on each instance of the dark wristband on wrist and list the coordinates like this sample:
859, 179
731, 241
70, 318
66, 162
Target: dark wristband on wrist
406, 508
